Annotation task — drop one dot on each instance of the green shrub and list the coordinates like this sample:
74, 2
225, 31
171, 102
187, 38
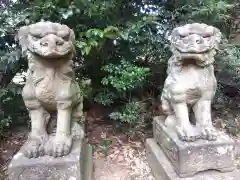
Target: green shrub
121, 46
12, 110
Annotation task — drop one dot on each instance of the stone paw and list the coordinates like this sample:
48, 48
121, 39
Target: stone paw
58, 146
208, 133
34, 147
187, 134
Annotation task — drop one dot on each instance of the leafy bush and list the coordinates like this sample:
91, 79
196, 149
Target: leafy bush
125, 76
12, 110
129, 113
121, 45
228, 65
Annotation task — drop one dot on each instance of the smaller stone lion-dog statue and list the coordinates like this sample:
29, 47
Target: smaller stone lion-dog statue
191, 82
50, 89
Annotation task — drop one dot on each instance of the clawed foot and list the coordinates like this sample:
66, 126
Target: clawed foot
187, 134
208, 133
34, 146
58, 146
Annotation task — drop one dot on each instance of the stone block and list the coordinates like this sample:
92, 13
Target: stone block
189, 158
75, 166
163, 169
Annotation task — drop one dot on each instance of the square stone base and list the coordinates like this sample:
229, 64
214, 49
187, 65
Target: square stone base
189, 158
75, 166
163, 169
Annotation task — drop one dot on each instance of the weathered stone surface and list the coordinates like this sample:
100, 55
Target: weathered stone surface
75, 166
50, 89
191, 84
163, 170
237, 148
188, 158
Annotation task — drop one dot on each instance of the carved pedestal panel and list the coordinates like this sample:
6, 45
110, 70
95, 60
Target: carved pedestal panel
163, 169
75, 166
188, 158
171, 158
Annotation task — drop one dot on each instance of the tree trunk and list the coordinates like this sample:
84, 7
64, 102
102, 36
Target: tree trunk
235, 32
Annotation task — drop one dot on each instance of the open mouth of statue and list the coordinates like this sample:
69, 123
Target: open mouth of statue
189, 61
192, 49
53, 54
192, 59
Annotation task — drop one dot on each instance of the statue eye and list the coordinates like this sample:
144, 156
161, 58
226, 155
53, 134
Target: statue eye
207, 38
35, 38
65, 38
182, 36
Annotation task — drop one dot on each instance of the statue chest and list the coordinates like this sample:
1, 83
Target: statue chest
45, 83
192, 78
190, 84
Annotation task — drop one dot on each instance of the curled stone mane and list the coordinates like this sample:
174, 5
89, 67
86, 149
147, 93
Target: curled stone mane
51, 94
41, 39
190, 82
48, 44
195, 41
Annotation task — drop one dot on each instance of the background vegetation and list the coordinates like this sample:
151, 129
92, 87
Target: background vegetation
122, 47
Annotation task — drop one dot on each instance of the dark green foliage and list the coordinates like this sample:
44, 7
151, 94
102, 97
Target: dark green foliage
121, 45
12, 110
125, 76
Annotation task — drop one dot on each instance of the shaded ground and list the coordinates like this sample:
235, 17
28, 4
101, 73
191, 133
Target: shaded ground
125, 163
9, 145
115, 156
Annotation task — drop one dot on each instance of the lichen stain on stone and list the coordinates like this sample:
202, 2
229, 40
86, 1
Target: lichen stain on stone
72, 178
222, 150
73, 168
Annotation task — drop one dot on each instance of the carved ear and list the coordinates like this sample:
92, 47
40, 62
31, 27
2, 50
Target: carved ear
22, 38
173, 34
218, 38
72, 38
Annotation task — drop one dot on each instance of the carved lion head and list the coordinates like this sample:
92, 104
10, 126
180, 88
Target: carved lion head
47, 39
196, 41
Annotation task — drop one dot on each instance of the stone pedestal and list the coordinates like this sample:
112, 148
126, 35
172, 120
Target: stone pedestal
163, 169
171, 158
75, 166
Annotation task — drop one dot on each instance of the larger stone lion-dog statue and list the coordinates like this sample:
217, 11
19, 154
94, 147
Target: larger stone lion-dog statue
50, 88
191, 82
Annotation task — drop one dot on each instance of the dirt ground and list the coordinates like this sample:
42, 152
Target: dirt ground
125, 163
115, 156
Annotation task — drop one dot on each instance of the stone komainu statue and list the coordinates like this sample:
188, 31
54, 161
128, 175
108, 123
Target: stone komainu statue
191, 81
50, 88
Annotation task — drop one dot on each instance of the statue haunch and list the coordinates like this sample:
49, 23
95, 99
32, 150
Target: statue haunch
191, 83
50, 88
